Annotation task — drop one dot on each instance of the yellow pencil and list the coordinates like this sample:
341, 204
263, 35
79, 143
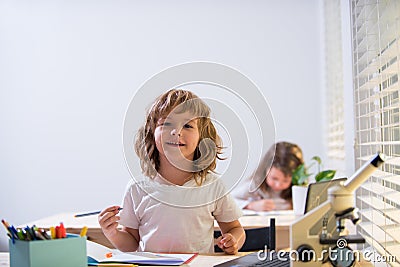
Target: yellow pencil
52, 232
84, 231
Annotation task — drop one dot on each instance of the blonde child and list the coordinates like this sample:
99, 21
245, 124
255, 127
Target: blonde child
174, 208
275, 171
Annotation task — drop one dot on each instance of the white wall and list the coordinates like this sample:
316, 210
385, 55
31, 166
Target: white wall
348, 87
68, 70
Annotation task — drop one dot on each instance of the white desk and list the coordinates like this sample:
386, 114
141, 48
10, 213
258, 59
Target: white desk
4, 259
199, 261
74, 225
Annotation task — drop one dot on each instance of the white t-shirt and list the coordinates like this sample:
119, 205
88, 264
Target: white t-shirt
173, 218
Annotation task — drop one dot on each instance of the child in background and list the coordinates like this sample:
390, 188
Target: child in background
158, 213
275, 191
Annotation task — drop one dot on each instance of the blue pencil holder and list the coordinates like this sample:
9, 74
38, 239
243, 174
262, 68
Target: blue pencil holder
64, 252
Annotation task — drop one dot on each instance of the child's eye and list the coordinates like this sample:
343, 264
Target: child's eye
165, 123
188, 126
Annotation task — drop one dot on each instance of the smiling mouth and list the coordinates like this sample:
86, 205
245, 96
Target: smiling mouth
174, 144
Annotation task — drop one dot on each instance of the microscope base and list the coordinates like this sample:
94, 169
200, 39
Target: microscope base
350, 239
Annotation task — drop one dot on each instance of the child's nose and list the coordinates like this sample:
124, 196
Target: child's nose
176, 132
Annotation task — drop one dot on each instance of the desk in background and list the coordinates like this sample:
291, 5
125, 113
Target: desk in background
74, 225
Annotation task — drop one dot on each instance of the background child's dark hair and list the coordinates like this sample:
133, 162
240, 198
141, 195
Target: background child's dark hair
180, 101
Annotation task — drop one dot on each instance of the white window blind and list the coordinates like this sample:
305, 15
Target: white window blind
376, 62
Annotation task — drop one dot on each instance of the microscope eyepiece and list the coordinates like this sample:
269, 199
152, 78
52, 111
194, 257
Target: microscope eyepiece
364, 172
378, 160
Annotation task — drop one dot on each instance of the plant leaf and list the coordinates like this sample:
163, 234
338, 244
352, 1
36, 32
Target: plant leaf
325, 175
300, 175
317, 159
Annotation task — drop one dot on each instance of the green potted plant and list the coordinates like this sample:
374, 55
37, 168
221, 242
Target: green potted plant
300, 179
301, 174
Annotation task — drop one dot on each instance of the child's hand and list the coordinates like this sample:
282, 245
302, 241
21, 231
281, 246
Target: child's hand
108, 220
261, 205
228, 243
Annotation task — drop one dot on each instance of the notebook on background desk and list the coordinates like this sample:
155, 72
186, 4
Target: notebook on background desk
267, 213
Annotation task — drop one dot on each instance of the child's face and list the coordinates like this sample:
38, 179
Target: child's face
177, 136
277, 180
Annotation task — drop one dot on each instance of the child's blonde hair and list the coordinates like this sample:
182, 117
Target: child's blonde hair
180, 101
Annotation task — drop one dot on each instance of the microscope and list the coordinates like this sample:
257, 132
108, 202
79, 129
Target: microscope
315, 249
